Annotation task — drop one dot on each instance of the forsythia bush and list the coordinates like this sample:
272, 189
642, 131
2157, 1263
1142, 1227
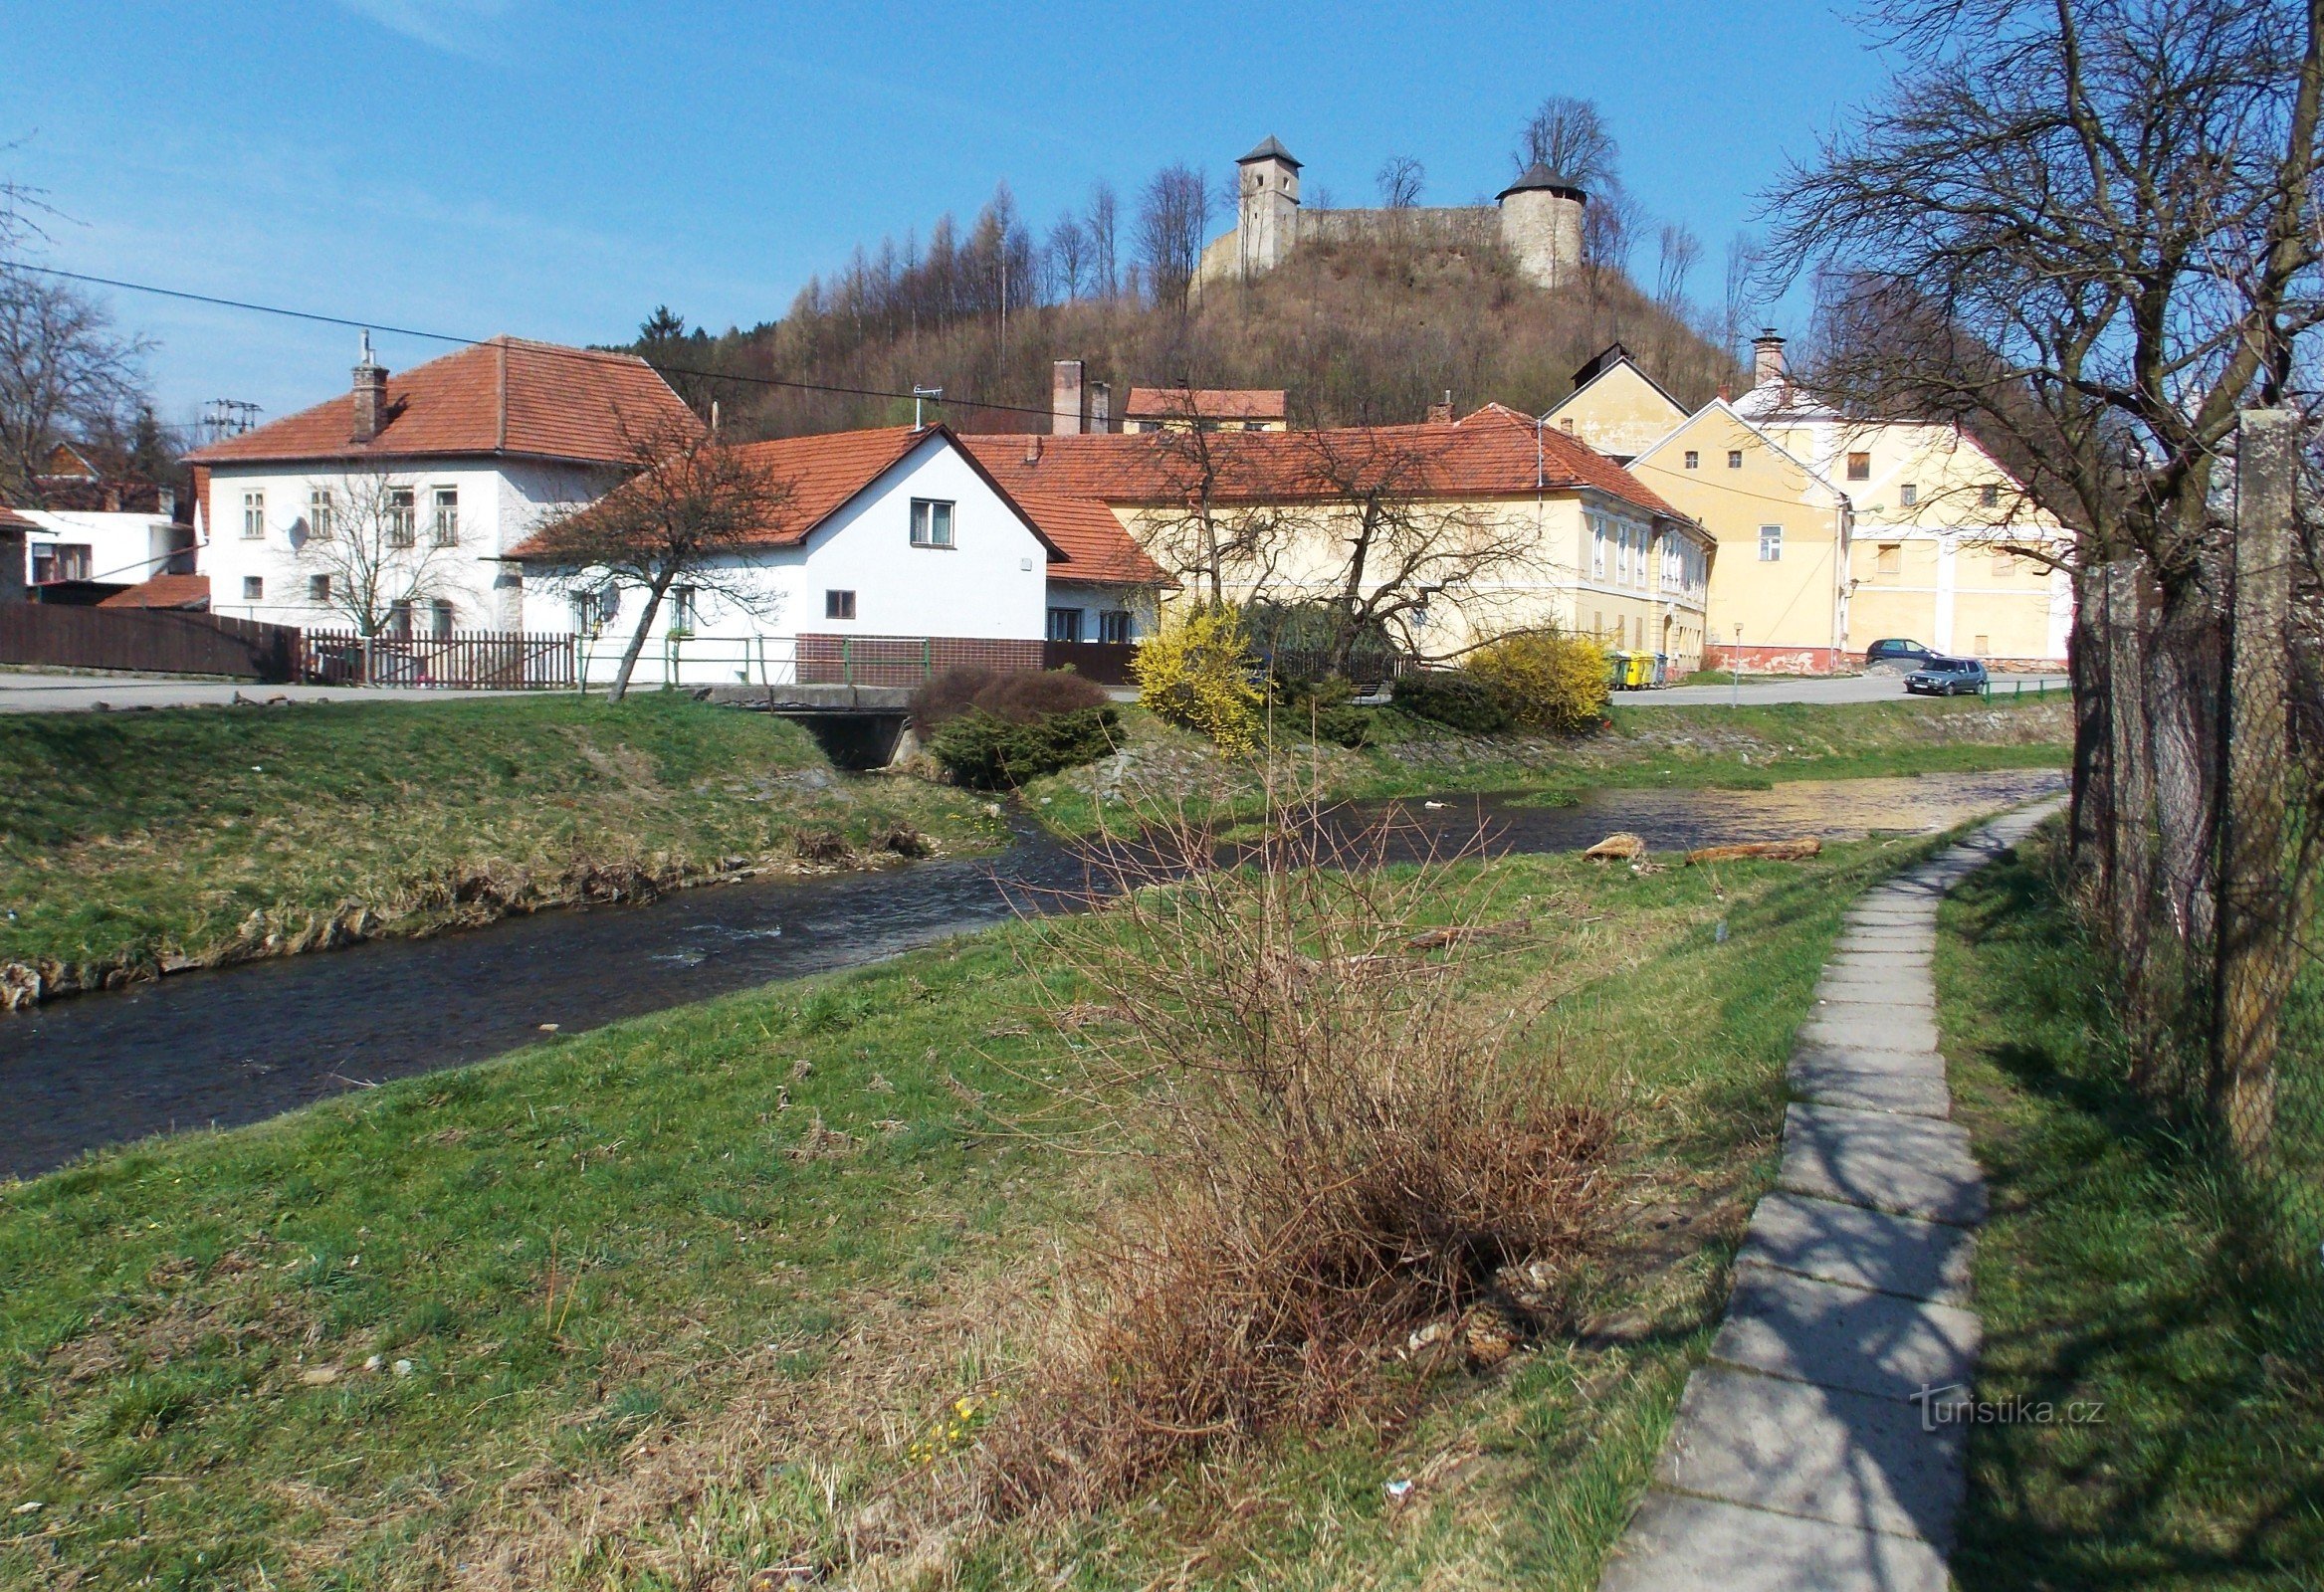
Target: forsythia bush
1197, 672
1550, 680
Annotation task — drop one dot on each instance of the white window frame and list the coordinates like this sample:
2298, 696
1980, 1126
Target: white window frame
253, 516
932, 523
839, 604
1771, 545
321, 514
253, 588
444, 516
403, 516
685, 602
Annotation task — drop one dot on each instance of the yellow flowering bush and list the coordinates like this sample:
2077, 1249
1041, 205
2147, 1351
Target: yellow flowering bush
1197, 673
1550, 679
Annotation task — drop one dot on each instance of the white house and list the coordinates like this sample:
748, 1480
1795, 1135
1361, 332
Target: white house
95, 523
446, 467
895, 552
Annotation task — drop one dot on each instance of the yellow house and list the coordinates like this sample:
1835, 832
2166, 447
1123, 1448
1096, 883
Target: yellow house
1586, 545
1615, 407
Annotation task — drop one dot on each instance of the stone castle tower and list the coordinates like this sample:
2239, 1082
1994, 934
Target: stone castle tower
1537, 218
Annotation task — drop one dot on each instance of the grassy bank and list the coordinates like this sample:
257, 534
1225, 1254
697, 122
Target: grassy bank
669, 1304
2122, 1274
1750, 747
130, 843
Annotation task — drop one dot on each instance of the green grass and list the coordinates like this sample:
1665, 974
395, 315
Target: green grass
1751, 746
126, 837
2120, 1268
652, 1346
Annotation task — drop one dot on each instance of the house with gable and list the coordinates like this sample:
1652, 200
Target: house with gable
467, 453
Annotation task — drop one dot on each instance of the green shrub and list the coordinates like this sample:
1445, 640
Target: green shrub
1323, 706
984, 750
1550, 680
1456, 697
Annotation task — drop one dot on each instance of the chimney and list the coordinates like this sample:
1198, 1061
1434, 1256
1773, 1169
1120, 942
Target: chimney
1101, 407
1766, 364
1033, 448
1440, 414
370, 395
1065, 398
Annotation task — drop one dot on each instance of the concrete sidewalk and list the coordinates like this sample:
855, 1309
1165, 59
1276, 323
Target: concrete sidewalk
1812, 1451
80, 694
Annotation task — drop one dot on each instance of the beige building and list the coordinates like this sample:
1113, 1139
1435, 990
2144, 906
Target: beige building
1596, 550
1207, 408
1838, 533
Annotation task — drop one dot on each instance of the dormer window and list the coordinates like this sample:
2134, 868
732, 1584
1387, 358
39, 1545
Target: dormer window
1907, 496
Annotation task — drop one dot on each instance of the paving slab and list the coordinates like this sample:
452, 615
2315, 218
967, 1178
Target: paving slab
1865, 1249
1909, 1094
1794, 1448
1868, 1059
1780, 1323
1887, 936
1873, 987
1888, 1028
1677, 1544
1883, 1160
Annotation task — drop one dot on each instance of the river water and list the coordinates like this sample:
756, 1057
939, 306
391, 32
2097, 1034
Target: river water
239, 1044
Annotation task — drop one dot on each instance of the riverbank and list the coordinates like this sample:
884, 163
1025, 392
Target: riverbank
2151, 1346
669, 1302
1750, 747
134, 845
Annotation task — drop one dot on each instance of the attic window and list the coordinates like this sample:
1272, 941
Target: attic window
1990, 497
1734, 458
1694, 460
931, 523
1860, 466
1907, 496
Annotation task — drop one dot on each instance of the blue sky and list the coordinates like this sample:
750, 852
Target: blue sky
555, 169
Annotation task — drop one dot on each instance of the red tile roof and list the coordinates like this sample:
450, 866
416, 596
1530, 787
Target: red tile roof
508, 396
828, 471
163, 591
10, 519
1488, 454
1205, 403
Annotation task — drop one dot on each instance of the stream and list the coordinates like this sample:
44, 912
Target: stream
235, 1045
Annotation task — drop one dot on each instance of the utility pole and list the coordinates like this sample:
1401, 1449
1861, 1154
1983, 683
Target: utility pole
2254, 920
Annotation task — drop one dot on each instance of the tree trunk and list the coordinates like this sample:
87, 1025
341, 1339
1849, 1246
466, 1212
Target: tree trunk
637, 637
2091, 826
2183, 677
2255, 899
2130, 843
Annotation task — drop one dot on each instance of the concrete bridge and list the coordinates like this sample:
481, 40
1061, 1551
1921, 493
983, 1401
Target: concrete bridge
858, 727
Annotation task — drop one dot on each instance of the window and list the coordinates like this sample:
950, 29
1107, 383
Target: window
402, 518
1770, 543
931, 523
62, 560
319, 588
253, 588
1891, 560
681, 610
1990, 497
1694, 460
1860, 466
1734, 458
399, 620
1985, 646
254, 517
444, 524
439, 618
839, 605
1597, 548
1622, 558
1907, 496
320, 513
594, 610
1065, 624
1113, 626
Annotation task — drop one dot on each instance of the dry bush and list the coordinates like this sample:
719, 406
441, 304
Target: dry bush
948, 694
1016, 697
1343, 1146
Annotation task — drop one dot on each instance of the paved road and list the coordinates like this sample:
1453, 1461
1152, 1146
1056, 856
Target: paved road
68, 694
1875, 687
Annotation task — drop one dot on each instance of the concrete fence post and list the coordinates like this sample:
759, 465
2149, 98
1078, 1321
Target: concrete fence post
2254, 894
2132, 845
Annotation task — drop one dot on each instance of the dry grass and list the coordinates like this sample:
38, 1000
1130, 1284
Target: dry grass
1343, 1152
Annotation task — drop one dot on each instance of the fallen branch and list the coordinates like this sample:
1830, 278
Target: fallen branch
1773, 851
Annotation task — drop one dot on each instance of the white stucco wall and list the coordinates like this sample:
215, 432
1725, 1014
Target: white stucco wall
123, 548
501, 501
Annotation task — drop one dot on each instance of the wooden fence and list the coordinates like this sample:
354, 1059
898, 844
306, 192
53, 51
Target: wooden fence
1104, 662
157, 641
466, 660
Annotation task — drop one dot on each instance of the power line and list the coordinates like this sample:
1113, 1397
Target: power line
474, 343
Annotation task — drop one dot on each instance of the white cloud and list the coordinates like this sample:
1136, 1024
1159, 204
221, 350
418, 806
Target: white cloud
456, 27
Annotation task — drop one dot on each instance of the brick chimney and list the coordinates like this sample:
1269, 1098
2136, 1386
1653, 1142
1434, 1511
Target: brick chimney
1101, 407
1065, 398
370, 395
1440, 413
1766, 363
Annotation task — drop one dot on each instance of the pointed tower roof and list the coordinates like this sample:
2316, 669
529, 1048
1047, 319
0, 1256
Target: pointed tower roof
1272, 149
1538, 178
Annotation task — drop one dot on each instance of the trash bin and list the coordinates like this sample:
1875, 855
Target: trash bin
1638, 671
1662, 670
1617, 671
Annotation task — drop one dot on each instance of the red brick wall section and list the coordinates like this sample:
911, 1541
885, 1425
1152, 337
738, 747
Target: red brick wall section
906, 659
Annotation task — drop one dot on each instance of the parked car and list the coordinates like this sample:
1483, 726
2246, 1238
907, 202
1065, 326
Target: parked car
1948, 676
1897, 651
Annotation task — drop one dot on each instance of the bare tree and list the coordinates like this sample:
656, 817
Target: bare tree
65, 372
1215, 528
1739, 302
1173, 220
1067, 256
693, 503
1400, 179
1393, 542
1102, 224
1570, 137
368, 556
1610, 232
1678, 254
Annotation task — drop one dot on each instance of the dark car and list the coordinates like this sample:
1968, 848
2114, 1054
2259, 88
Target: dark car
1897, 651
1948, 676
